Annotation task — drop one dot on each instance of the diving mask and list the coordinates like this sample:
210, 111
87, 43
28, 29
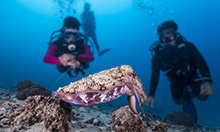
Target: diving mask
71, 35
168, 37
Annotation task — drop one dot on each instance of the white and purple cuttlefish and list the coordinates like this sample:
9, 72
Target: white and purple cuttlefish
105, 86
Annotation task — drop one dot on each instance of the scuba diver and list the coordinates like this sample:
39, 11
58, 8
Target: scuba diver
70, 49
88, 26
183, 65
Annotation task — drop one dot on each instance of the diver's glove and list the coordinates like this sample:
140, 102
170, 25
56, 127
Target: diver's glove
73, 63
150, 99
206, 88
64, 58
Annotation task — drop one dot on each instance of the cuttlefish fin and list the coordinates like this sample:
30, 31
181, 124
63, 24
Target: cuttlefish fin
132, 103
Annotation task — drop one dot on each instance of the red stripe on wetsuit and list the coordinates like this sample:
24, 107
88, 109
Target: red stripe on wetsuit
52, 49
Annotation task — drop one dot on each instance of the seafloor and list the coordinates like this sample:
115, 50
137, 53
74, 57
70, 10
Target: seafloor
96, 118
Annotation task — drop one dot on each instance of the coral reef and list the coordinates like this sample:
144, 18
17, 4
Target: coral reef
55, 114
7, 104
27, 88
45, 114
156, 124
58, 116
124, 120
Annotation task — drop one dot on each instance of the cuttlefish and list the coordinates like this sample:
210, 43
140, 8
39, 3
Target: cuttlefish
105, 86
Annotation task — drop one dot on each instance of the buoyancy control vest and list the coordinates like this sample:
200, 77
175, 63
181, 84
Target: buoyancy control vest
174, 61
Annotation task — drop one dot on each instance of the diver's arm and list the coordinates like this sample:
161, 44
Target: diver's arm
87, 55
201, 64
49, 57
154, 77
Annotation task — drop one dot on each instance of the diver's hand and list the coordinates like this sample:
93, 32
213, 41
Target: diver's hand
73, 63
150, 99
64, 58
206, 88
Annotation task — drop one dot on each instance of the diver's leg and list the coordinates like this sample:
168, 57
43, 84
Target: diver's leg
86, 33
92, 34
94, 39
181, 96
189, 108
188, 105
177, 91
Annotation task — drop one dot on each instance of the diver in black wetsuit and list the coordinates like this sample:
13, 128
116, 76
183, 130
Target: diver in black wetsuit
183, 64
88, 26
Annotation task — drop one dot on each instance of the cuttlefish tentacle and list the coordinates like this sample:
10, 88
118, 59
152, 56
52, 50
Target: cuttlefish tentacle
138, 97
131, 98
132, 103
129, 76
140, 103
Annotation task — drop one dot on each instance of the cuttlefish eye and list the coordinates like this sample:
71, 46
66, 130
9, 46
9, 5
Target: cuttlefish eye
126, 68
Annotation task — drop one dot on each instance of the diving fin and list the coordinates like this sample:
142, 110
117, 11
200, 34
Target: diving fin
189, 108
103, 51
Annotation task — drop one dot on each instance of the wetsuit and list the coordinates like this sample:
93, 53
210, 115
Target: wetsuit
59, 47
183, 65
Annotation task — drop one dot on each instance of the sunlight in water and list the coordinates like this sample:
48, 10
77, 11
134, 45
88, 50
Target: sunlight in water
48, 7
110, 6
45, 7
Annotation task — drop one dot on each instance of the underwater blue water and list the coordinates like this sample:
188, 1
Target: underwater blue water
123, 27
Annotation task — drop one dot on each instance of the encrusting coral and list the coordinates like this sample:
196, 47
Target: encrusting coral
124, 120
27, 88
55, 113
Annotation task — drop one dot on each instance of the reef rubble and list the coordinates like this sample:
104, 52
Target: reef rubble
43, 113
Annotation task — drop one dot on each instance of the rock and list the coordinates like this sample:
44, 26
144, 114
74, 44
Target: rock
93, 121
27, 88
56, 114
96, 122
23, 85
157, 125
20, 95
180, 118
124, 120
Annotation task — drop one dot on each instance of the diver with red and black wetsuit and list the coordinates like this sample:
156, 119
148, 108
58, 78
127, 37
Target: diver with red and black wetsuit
70, 50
